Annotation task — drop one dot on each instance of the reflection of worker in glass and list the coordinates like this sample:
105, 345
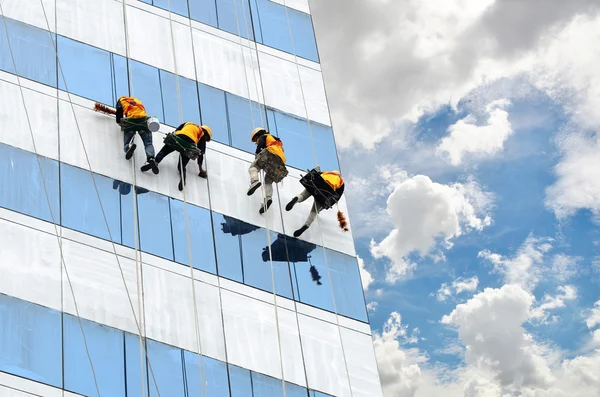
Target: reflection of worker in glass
270, 159
124, 188
326, 187
287, 249
132, 117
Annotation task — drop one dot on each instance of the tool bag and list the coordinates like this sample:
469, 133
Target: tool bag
135, 124
272, 165
319, 189
184, 147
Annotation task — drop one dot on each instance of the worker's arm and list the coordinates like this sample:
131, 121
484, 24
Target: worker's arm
119, 113
180, 127
202, 148
261, 144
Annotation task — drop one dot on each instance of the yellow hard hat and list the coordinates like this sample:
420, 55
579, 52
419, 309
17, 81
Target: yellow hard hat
255, 132
208, 131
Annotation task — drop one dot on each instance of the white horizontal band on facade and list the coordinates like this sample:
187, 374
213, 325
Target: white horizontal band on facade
32, 271
15, 386
104, 144
219, 62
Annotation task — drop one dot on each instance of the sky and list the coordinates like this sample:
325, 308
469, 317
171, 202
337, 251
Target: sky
468, 133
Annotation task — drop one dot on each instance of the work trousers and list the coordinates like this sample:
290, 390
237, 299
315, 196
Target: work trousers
268, 182
146, 136
315, 209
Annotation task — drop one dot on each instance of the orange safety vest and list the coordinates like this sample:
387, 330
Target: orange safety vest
275, 146
192, 130
132, 107
332, 179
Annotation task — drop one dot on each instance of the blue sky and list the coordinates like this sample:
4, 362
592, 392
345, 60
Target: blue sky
477, 215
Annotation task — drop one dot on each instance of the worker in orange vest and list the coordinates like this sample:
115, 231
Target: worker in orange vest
132, 117
326, 187
270, 158
190, 140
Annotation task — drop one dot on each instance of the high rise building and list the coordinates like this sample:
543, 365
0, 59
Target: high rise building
97, 295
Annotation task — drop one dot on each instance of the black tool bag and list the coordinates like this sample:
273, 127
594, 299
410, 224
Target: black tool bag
319, 189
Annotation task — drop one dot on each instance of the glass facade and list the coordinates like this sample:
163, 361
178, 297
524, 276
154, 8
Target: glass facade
42, 340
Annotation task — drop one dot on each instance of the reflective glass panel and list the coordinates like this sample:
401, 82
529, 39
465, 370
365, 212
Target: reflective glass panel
17, 166
295, 135
257, 264
188, 96
325, 147
304, 35
127, 211
168, 369
201, 236
313, 284
266, 386
347, 287
213, 372
33, 50
214, 112
155, 225
227, 241
120, 77
234, 17
177, 6
242, 121
106, 349
241, 382
133, 369
30, 341
145, 86
81, 209
204, 11
86, 69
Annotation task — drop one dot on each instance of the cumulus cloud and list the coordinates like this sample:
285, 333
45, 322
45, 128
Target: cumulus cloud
468, 138
456, 287
549, 302
365, 276
593, 318
422, 212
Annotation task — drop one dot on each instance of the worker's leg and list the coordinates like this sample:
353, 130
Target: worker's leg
129, 146
164, 152
183, 161
315, 209
268, 199
254, 182
147, 139
297, 199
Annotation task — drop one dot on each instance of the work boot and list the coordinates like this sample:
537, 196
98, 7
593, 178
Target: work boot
264, 209
181, 184
291, 204
253, 186
150, 164
298, 232
130, 149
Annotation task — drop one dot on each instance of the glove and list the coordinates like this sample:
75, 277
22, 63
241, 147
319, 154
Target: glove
202, 174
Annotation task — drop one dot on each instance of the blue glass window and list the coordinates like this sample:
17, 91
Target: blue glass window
80, 207
177, 6
106, 350
190, 110
347, 287
155, 225
17, 166
87, 70
33, 50
242, 121
325, 147
127, 211
227, 241
257, 264
240, 381
201, 236
215, 381
145, 86
168, 369
214, 112
266, 386
295, 135
204, 11
295, 251
234, 17
309, 291
120, 77
304, 35
30, 341
134, 374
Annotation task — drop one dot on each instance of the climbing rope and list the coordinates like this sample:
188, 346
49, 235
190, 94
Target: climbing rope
56, 233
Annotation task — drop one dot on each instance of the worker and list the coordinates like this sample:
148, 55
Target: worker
132, 117
189, 139
270, 158
326, 187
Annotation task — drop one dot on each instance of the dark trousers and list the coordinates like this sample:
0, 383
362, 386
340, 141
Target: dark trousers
183, 160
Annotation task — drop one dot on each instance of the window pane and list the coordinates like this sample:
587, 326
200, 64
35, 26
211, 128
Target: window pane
33, 51
241, 383
145, 86
87, 70
80, 207
127, 207
214, 112
273, 25
230, 18
190, 110
304, 35
167, 368
347, 287
257, 265
155, 225
242, 121
133, 373
213, 371
295, 251
18, 166
120, 77
201, 236
6, 62
106, 350
227, 231
30, 341
266, 386
204, 11
312, 292
325, 146
295, 135
177, 6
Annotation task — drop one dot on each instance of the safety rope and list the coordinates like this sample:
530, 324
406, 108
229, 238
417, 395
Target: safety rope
314, 203
264, 200
58, 238
201, 372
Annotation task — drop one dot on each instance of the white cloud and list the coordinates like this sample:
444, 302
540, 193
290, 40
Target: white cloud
365, 277
593, 318
372, 306
467, 138
525, 267
456, 287
566, 293
564, 267
422, 212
